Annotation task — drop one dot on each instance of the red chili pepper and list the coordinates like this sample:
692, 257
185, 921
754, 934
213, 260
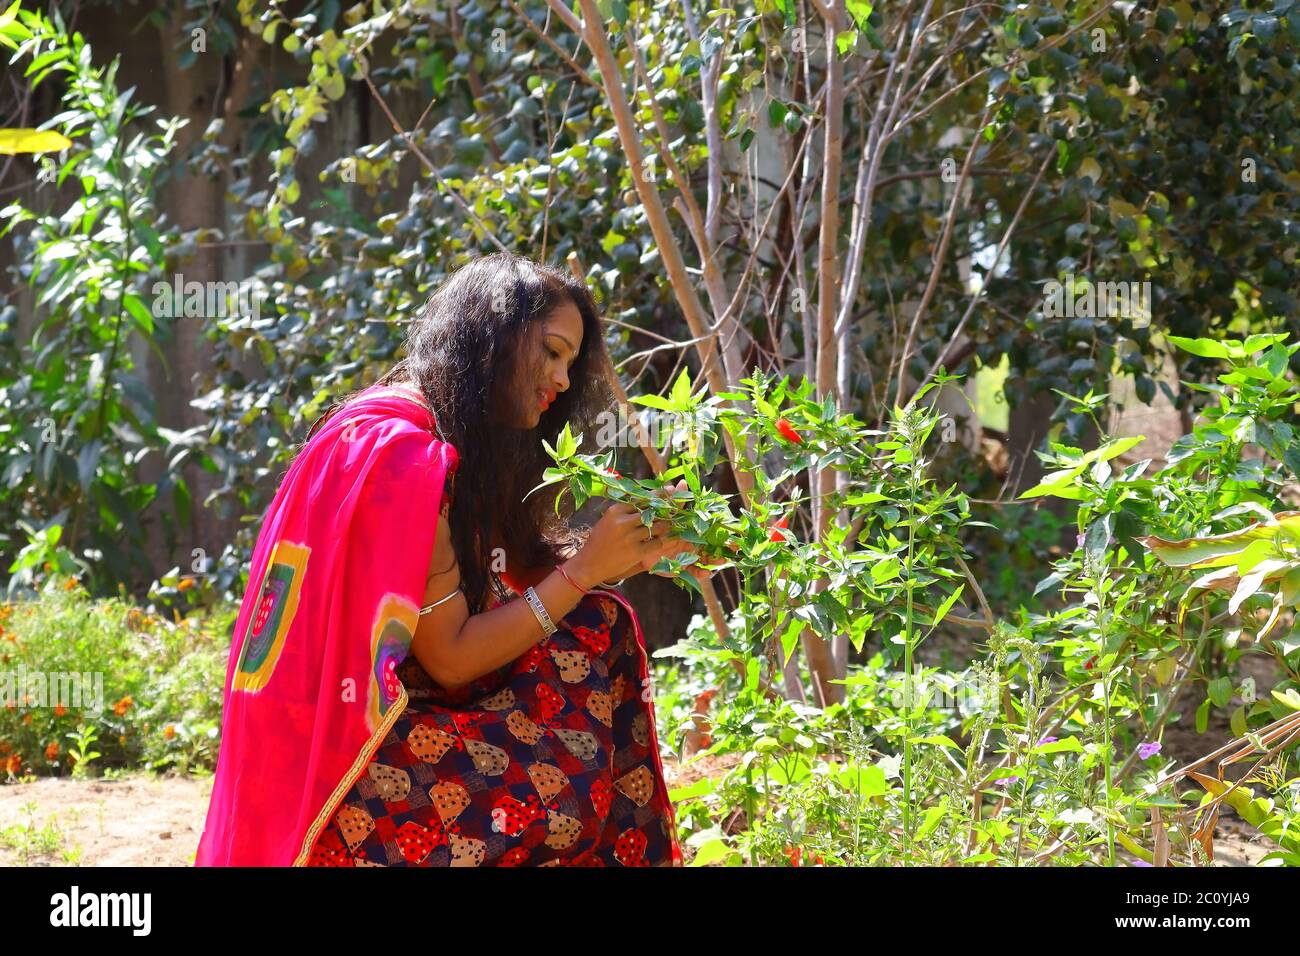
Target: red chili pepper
786, 429
776, 534
1091, 661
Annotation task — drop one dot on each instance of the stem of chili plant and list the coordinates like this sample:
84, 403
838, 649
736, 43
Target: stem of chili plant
907, 654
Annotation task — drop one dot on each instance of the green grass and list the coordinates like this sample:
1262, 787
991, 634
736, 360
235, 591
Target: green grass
37, 845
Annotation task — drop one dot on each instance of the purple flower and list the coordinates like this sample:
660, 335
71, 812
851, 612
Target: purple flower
1004, 781
1047, 740
1148, 750
1141, 863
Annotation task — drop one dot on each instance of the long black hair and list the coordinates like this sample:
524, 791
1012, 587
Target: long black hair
475, 348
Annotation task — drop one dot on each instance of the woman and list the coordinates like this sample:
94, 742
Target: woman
431, 671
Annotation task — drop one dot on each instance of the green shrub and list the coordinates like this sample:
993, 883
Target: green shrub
150, 689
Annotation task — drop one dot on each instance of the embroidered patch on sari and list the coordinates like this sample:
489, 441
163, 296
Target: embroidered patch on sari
389, 645
269, 626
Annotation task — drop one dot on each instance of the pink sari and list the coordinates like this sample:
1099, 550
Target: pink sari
334, 594
336, 583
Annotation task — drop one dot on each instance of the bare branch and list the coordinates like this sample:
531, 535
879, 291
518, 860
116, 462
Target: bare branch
559, 50
487, 230
1006, 237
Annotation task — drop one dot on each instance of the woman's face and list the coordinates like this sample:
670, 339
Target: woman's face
543, 372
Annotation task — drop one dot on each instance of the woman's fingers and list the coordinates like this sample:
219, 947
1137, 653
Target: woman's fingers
621, 510
676, 547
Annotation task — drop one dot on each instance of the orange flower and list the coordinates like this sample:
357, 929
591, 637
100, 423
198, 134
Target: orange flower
123, 705
52, 752
60, 710
169, 731
184, 584
70, 584
5, 747
122, 739
14, 764
27, 719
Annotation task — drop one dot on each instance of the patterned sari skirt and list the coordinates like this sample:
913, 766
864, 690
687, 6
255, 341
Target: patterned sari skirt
551, 760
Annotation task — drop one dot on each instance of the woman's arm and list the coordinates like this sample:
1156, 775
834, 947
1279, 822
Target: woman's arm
455, 647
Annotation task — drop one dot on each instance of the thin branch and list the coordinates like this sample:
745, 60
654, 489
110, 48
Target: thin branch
562, 53
1006, 237
487, 230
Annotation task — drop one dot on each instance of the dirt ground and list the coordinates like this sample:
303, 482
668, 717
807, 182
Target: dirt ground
136, 820
140, 820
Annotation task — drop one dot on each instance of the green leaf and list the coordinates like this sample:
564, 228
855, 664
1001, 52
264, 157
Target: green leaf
1050, 581
867, 781
1238, 721
568, 444
1203, 716
1289, 698
931, 819
138, 311
885, 570
946, 606
1220, 691
681, 393
1224, 550
1064, 745
712, 851
1096, 541
653, 401
701, 787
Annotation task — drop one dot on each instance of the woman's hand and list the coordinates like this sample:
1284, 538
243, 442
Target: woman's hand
618, 544
669, 546
675, 547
